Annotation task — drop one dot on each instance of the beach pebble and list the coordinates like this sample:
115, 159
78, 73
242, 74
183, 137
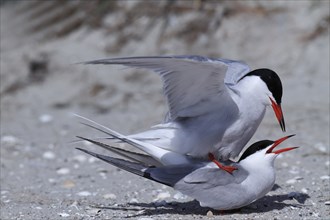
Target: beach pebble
51, 180
84, 193
299, 178
155, 192
316, 214
327, 203
134, 200
102, 170
320, 147
325, 177
49, 155
294, 170
163, 195
63, 171
109, 196
103, 175
68, 184
92, 159
291, 181
10, 140
209, 213
3, 192
304, 190
179, 196
45, 118
93, 211
79, 158
63, 214
292, 207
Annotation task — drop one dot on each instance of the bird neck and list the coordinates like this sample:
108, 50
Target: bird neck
251, 91
261, 178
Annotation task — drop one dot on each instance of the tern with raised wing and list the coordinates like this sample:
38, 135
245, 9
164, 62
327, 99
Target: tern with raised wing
215, 105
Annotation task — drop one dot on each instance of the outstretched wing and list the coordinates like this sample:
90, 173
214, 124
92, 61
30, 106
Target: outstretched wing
193, 85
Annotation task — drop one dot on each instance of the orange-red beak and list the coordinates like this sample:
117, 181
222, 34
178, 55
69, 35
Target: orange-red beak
278, 113
277, 142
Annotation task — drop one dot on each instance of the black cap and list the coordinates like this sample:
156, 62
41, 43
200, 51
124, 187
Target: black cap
272, 81
260, 145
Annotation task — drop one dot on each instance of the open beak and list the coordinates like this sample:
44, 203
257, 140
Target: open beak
278, 113
277, 142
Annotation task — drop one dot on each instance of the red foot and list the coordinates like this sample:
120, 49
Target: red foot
229, 169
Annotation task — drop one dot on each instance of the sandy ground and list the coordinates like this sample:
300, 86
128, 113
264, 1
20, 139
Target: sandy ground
44, 177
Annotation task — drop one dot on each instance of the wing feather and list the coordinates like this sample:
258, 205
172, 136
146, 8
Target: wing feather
193, 85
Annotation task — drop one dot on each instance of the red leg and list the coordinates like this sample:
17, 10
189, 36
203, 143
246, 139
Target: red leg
229, 169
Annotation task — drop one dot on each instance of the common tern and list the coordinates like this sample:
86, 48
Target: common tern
215, 105
202, 180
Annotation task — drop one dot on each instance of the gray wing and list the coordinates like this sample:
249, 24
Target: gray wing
170, 175
197, 177
215, 176
236, 70
193, 85
225, 189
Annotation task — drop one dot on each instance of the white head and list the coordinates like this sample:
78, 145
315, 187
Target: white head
272, 88
262, 153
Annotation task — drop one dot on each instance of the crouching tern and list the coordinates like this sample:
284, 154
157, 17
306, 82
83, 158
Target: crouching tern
215, 105
203, 180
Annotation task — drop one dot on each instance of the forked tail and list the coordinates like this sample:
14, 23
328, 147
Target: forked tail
160, 155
